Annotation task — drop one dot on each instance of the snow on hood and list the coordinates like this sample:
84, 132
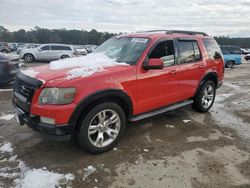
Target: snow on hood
84, 66
30, 73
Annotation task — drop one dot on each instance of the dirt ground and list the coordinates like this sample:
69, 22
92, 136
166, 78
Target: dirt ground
178, 149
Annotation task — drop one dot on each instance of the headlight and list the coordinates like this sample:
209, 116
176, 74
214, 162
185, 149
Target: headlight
57, 95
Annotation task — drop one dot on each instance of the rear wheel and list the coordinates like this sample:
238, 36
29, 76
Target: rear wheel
64, 56
29, 58
102, 128
230, 64
205, 97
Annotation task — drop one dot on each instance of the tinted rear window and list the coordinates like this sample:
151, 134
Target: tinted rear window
213, 49
188, 51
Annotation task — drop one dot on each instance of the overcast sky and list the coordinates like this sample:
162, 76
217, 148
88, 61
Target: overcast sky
217, 17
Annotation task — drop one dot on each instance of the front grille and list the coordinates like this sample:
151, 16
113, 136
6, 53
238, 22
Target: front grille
24, 89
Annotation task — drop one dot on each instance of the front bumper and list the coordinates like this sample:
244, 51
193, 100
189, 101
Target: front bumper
33, 122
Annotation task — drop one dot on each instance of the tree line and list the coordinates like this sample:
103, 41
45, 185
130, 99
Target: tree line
64, 36
83, 37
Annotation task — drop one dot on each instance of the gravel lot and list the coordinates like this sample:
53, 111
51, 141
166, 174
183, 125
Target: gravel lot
181, 148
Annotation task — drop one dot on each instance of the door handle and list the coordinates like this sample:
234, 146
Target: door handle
202, 66
173, 72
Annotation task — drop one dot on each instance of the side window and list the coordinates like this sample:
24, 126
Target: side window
165, 51
53, 47
188, 51
225, 50
66, 48
235, 50
45, 47
213, 49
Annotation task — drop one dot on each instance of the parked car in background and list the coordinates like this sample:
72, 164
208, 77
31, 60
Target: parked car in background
232, 55
245, 51
9, 66
80, 50
47, 52
247, 57
246, 54
25, 46
4, 47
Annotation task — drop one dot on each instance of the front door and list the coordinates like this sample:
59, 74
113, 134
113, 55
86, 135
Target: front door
43, 53
158, 88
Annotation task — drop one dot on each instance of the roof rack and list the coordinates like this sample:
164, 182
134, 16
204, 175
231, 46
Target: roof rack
177, 31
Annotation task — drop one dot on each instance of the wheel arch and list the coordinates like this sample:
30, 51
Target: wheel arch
233, 60
30, 54
213, 76
111, 95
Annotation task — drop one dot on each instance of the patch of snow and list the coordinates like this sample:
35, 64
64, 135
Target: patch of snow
43, 179
115, 149
30, 73
22, 176
6, 148
169, 126
88, 171
6, 89
7, 117
145, 150
186, 120
85, 65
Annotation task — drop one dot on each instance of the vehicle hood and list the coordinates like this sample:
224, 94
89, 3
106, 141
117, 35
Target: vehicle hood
61, 71
7, 57
28, 50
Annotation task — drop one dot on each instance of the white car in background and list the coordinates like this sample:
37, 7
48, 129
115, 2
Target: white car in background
81, 51
47, 52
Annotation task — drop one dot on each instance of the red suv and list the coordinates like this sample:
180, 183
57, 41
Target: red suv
128, 78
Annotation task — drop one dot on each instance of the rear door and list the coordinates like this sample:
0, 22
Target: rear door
191, 67
56, 51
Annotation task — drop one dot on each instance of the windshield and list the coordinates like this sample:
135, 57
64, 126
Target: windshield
124, 49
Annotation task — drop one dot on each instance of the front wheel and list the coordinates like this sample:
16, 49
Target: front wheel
230, 64
102, 128
4, 51
204, 100
29, 58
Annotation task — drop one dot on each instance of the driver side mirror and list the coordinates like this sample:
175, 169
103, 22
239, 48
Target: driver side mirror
39, 49
154, 64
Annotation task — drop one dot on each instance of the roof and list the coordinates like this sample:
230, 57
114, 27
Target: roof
163, 33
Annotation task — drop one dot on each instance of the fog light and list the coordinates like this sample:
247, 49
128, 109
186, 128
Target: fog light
47, 120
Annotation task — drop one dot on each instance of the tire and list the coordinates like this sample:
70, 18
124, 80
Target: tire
230, 64
97, 137
29, 58
204, 99
64, 56
4, 51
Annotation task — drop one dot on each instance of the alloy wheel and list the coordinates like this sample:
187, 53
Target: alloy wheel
208, 96
104, 128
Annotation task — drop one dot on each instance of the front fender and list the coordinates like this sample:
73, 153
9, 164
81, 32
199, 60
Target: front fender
90, 99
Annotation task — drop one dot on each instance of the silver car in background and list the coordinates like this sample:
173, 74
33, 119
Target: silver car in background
47, 52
